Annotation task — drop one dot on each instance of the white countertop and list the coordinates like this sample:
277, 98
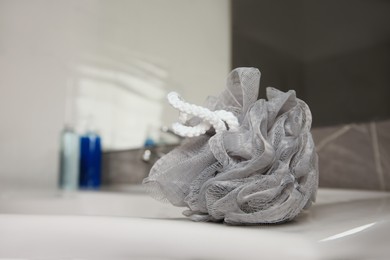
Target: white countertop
108, 225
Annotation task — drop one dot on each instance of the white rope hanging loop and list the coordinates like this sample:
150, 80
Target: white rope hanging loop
221, 120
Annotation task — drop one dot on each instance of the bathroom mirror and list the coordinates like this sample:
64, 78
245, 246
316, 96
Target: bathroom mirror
101, 65
145, 49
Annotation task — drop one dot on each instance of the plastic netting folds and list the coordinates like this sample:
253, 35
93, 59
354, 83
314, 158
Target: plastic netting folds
264, 172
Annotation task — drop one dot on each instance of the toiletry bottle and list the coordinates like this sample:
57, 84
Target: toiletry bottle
90, 160
70, 146
69, 159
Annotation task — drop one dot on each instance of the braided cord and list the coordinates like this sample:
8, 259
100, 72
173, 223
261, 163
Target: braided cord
221, 120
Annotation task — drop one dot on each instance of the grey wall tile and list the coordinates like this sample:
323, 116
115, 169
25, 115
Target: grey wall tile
347, 158
124, 167
320, 134
383, 132
128, 166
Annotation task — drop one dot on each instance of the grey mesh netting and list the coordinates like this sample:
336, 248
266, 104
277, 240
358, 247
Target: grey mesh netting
264, 172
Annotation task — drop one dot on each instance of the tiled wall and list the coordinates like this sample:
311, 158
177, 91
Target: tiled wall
354, 156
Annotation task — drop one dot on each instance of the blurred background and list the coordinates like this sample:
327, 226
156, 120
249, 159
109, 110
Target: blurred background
105, 67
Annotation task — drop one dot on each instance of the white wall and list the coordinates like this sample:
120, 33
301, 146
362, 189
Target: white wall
43, 41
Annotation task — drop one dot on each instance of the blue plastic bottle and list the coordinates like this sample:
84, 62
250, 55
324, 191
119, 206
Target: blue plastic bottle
90, 161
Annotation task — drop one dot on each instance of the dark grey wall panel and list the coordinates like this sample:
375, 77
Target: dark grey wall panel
335, 54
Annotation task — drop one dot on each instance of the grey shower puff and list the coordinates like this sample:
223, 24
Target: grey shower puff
266, 172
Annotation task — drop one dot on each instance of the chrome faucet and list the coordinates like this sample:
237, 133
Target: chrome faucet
152, 154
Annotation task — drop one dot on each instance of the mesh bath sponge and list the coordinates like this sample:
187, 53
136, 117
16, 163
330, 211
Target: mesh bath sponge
258, 166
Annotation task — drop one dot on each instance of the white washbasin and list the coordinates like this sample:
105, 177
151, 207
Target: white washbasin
106, 225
